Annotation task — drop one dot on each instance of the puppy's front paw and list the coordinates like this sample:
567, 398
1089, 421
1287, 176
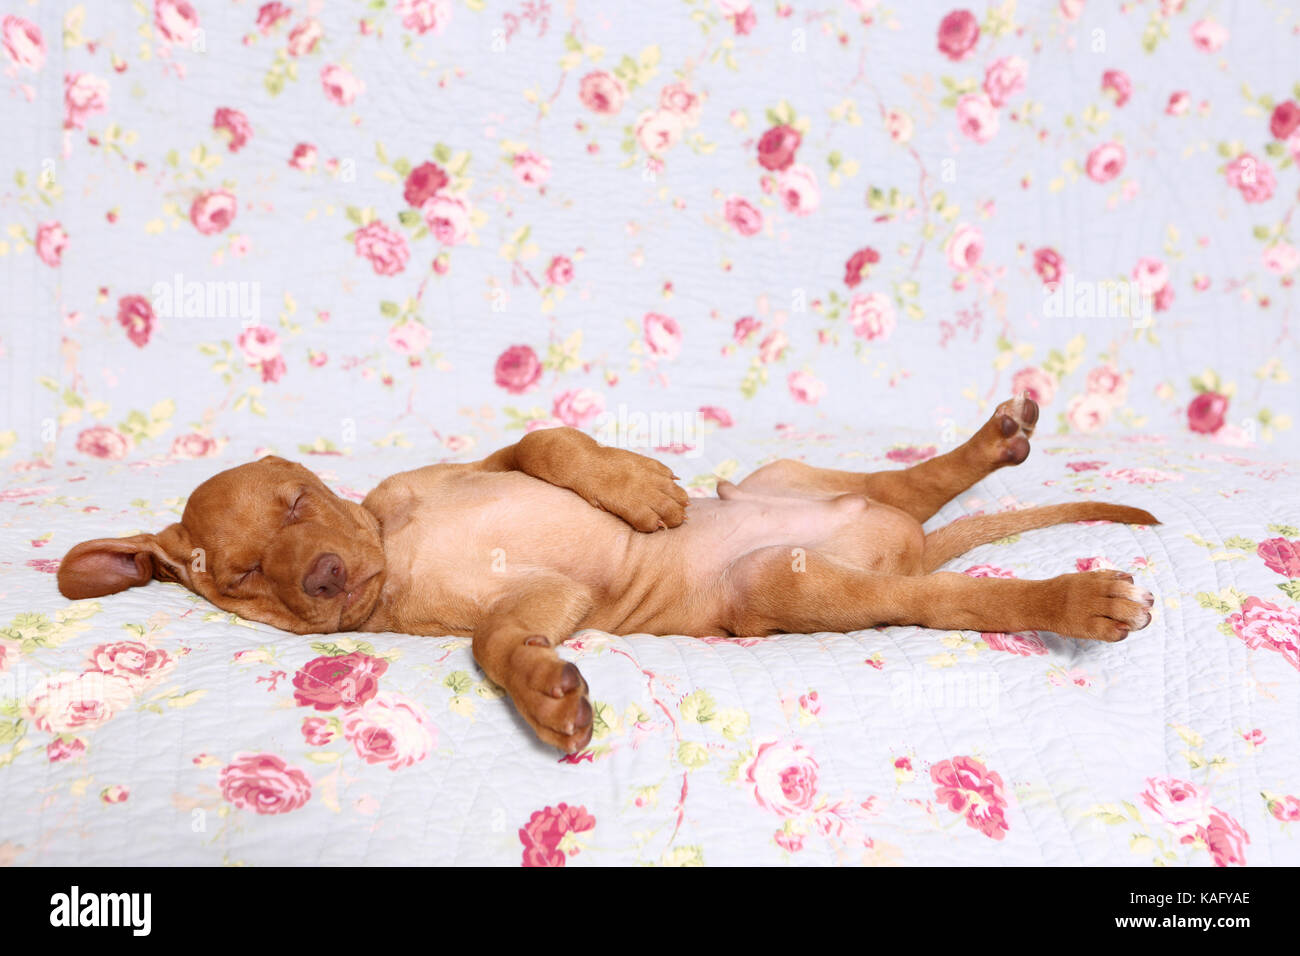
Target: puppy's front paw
638, 489
1104, 606
552, 696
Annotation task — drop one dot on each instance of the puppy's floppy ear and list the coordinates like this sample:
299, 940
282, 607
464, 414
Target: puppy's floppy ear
108, 565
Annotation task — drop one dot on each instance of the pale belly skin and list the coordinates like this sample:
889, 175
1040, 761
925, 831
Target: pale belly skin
456, 542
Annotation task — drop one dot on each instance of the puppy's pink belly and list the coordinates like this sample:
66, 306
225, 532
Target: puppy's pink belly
718, 532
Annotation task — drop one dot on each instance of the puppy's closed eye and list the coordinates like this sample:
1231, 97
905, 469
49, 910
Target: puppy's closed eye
296, 508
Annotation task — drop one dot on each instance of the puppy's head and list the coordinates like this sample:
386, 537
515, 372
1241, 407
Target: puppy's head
267, 541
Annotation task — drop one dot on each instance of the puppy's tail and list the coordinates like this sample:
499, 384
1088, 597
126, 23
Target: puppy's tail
946, 543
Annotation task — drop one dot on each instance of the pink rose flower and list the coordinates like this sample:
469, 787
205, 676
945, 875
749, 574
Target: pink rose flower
678, 98
1086, 565
1088, 413
390, 729
23, 43
1106, 381
344, 680
798, 190
777, 147
1226, 839
193, 446
531, 169
264, 783
448, 218
317, 731
1117, 84
259, 344
304, 37
517, 369
577, 407
859, 265
872, 316
423, 183
1209, 36
136, 663
385, 248
1049, 265
1252, 177
899, 126
270, 14
659, 131
1206, 412
1040, 386
1286, 808
744, 327
788, 841
1180, 805
425, 16
304, 157
1283, 122
773, 347
1105, 162
966, 786
409, 338
560, 271
234, 126
1264, 625
988, 571
720, 416
1151, 275
663, 336
965, 247
176, 20
1004, 79
805, 387
549, 827
1178, 104
135, 314
977, 118
1281, 258
114, 794
959, 31
340, 84
61, 748
1026, 644
83, 95
784, 777
101, 441
213, 211
51, 240
1281, 555
743, 216
601, 92
911, 454
67, 703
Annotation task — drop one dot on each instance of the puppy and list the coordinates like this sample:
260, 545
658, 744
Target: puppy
558, 533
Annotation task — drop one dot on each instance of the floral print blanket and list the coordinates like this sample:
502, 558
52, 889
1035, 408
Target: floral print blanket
149, 727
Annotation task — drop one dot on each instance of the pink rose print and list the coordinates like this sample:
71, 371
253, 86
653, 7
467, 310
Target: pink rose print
1281, 555
1209, 36
517, 369
390, 729
1106, 162
101, 441
135, 314
799, 191
317, 731
1285, 808
304, 157
264, 783
448, 218
1004, 79
965, 247
384, 247
911, 454
1252, 177
62, 748
67, 703
1107, 382
136, 663
1226, 840
1178, 104
1181, 806
743, 216
260, 347
872, 316
744, 327
115, 794
340, 84
977, 117
193, 446
577, 407
600, 92
1284, 121
859, 266
777, 146
546, 834
1088, 413
663, 336
789, 841
1117, 85
1049, 265
270, 14
1040, 386
531, 169
719, 416
83, 96
213, 211
23, 43
176, 20
234, 126
51, 240
678, 98
423, 183
966, 786
425, 16
343, 680
784, 777
806, 388
1281, 258
560, 271
1206, 412
409, 338
1025, 644
959, 31
659, 131
1262, 624
304, 37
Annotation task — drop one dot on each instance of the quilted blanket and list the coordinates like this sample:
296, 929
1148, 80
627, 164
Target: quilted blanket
376, 235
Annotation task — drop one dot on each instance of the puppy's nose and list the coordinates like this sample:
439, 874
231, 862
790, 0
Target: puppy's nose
326, 577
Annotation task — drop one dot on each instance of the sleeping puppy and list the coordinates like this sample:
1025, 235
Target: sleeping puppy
557, 533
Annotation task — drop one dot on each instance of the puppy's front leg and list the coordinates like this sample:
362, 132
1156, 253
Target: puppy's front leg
515, 645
